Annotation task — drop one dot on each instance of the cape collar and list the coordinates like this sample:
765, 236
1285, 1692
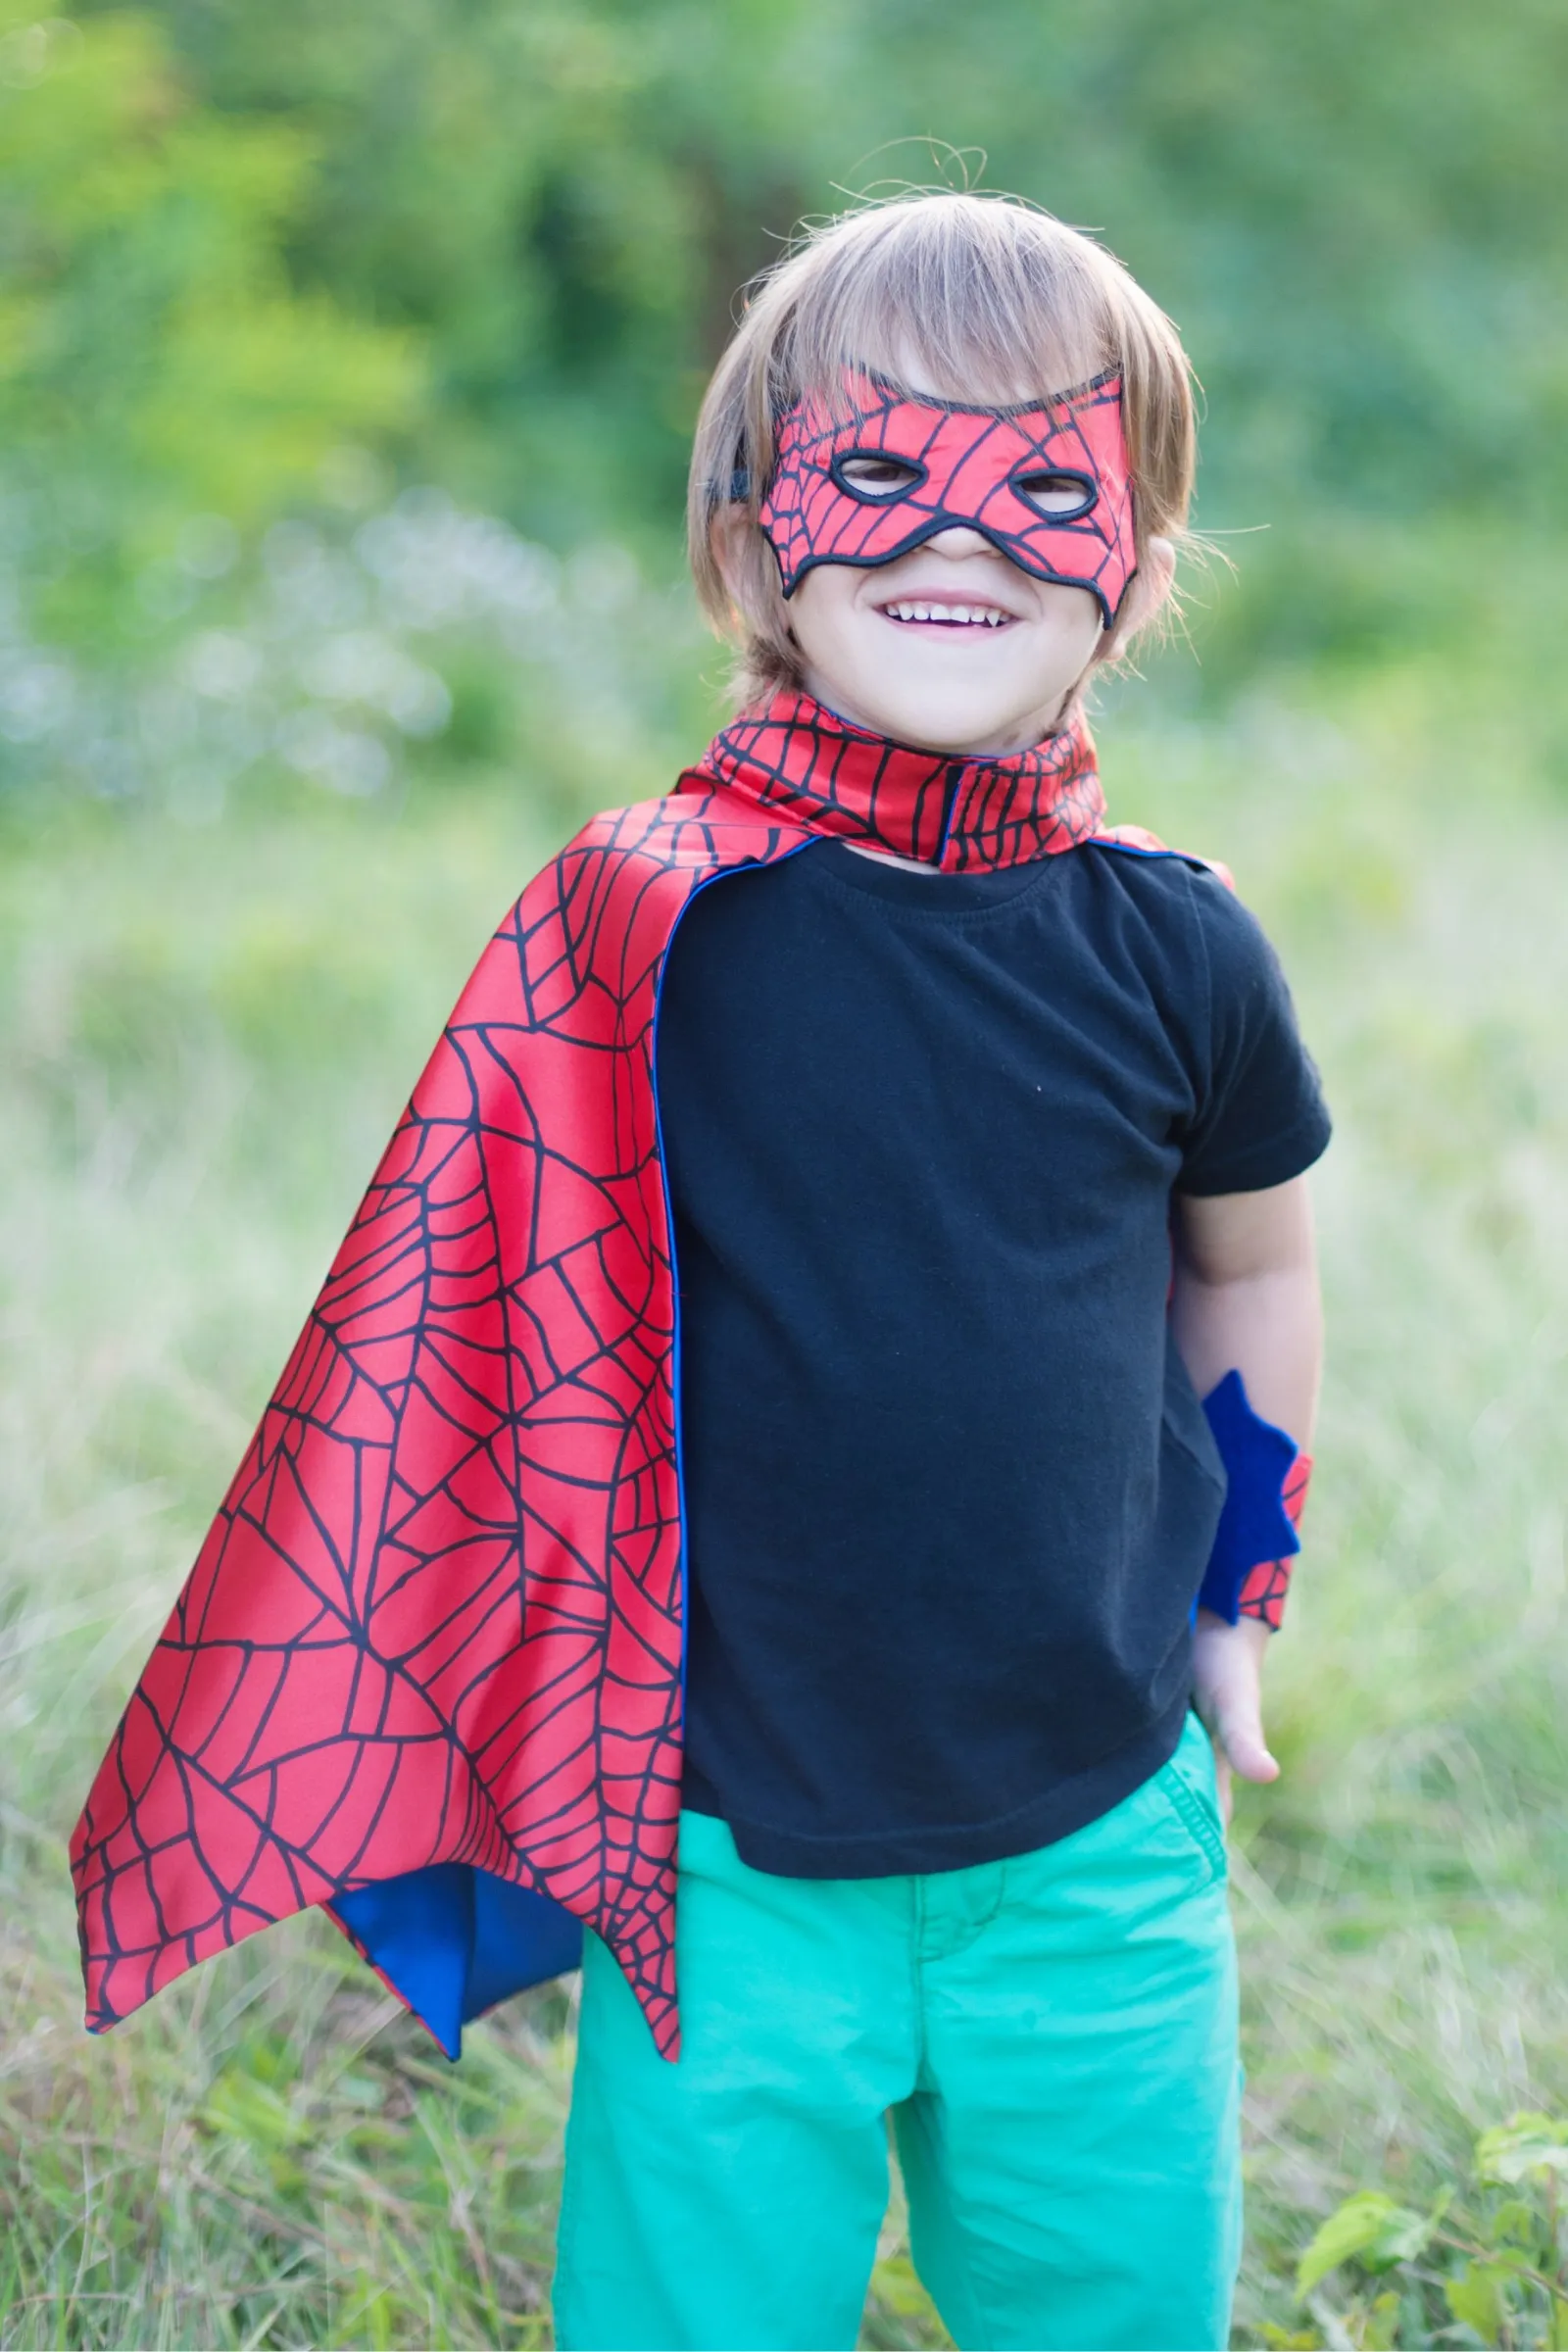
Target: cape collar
796, 756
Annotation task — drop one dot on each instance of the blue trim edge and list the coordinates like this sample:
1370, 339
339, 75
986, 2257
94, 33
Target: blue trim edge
746, 865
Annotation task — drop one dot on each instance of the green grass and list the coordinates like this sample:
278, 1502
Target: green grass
210, 1032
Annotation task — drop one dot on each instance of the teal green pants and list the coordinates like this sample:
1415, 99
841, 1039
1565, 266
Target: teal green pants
1053, 2035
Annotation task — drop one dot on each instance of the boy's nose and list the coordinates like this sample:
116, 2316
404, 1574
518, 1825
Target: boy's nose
959, 539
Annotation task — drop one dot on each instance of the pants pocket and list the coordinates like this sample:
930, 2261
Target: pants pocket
1186, 1785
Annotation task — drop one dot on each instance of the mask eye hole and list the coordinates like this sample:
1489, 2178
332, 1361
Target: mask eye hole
870, 474
1061, 496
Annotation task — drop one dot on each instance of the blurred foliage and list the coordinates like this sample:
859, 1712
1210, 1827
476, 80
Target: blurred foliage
1354, 216
209, 1032
257, 263
157, 368
1488, 2261
348, 356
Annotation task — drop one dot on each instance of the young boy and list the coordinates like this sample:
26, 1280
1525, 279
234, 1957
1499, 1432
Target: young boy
972, 1136
950, 1847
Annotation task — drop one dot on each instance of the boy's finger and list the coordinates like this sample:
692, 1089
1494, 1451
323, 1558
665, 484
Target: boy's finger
1240, 1731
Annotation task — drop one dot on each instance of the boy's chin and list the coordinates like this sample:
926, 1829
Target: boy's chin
962, 725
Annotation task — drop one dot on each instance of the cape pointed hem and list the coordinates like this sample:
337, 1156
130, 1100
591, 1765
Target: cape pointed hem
427, 1671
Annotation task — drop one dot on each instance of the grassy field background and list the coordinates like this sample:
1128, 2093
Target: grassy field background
348, 365
210, 1027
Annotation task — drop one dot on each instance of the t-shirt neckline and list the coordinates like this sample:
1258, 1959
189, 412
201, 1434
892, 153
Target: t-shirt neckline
930, 893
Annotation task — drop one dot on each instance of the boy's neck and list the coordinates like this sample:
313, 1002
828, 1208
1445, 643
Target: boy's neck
911, 866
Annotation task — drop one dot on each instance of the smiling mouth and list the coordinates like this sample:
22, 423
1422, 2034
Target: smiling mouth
929, 612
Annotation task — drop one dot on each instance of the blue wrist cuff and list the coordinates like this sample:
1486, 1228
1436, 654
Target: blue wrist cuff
1254, 1524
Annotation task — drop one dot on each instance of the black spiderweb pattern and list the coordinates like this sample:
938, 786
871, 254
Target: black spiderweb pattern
802, 762
970, 461
438, 1616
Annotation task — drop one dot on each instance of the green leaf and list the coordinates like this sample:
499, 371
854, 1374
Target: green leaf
1381, 2325
1515, 2221
1480, 2297
1523, 2146
1369, 2228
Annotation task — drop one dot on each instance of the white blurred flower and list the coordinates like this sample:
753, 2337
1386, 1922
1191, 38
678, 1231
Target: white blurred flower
360, 666
223, 664
418, 701
345, 759
330, 650
603, 578
435, 564
209, 547
36, 693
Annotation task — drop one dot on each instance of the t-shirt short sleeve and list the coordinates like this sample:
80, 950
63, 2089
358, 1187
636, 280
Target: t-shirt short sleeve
1260, 1117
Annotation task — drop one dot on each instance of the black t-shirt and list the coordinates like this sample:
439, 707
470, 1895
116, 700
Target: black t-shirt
949, 1490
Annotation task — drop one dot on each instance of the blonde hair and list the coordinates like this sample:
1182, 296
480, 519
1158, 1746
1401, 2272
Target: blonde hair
995, 300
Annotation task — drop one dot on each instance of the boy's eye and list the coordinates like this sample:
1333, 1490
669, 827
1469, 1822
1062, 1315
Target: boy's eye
876, 477
1056, 494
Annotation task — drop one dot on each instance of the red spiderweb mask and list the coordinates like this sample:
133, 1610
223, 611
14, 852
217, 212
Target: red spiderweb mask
1047, 486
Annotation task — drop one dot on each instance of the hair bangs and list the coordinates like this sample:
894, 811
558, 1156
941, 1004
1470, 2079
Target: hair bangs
948, 301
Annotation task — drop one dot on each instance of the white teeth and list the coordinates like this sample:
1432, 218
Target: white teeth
988, 617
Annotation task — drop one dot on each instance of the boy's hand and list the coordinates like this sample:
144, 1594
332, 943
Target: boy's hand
1228, 1688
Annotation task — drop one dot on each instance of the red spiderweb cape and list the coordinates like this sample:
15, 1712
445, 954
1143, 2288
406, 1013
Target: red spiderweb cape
427, 1671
